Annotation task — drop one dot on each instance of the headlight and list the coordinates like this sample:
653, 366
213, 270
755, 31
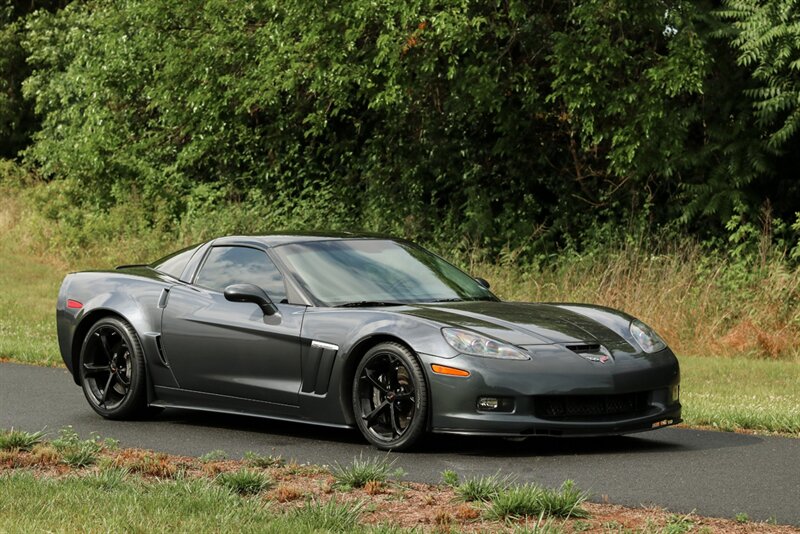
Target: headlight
468, 342
646, 337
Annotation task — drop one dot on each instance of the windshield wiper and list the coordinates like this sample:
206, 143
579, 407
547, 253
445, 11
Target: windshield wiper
475, 299
368, 304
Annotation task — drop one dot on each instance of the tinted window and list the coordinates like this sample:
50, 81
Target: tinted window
343, 271
174, 264
241, 265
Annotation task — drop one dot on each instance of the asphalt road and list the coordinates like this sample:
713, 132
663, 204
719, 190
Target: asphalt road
712, 473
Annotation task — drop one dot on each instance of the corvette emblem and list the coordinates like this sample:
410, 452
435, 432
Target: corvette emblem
593, 357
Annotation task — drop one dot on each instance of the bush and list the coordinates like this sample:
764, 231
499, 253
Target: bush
496, 124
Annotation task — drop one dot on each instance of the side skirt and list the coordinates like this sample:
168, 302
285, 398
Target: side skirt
210, 402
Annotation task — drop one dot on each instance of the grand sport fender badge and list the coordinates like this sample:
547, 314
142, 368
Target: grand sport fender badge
324, 346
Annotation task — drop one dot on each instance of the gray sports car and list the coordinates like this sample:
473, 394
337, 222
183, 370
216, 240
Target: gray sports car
352, 330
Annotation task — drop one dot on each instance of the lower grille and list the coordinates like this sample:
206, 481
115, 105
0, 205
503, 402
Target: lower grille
587, 407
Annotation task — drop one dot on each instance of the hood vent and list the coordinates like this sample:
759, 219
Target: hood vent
583, 349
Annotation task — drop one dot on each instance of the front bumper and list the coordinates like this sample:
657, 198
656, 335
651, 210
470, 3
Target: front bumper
556, 394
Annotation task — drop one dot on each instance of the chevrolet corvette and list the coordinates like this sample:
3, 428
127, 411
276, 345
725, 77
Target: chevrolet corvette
357, 331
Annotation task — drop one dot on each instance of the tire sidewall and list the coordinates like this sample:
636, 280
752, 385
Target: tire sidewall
418, 423
134, 401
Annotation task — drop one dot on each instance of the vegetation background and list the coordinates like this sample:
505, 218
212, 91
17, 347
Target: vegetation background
642, 155
638, 154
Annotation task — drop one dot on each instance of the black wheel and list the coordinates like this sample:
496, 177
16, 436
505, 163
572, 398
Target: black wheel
390, 397
111, 368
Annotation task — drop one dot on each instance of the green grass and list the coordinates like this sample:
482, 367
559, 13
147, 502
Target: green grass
330, 516
362, 471
529, 500
678, 524
245, 481
541, 525
80, 504
113, 501
108, 478
28, 291
262, 461
450, 478
19, 440
74, 451
214, 456
741, 393
484, 488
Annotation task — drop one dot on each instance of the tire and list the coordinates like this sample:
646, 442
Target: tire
111, 368
390, 397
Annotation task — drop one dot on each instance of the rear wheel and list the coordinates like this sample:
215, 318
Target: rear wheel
390, 397
111, 368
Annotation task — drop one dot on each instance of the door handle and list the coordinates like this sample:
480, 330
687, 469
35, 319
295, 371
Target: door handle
162, 299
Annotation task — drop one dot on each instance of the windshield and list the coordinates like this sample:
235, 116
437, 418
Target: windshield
372, 271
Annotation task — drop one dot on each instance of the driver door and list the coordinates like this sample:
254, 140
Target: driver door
231, 348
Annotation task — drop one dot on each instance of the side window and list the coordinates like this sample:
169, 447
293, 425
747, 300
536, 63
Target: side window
174, 264
241, 265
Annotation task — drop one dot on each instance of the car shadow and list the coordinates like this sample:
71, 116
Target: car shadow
260, 425
674, 439
547, 446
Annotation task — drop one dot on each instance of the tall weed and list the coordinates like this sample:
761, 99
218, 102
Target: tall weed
703, 302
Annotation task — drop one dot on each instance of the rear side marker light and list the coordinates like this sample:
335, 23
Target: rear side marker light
74, 304
451, 371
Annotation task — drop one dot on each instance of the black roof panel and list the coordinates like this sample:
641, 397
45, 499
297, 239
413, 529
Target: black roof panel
286, 238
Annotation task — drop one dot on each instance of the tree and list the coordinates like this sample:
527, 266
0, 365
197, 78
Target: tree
766, 34
17, 121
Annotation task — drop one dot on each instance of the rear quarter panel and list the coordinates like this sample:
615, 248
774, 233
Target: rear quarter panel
132, 294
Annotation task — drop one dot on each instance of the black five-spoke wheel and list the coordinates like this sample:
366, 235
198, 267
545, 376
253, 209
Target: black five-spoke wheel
112, 369
390, 397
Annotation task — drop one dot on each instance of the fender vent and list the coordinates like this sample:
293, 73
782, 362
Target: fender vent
161, 355
317, 364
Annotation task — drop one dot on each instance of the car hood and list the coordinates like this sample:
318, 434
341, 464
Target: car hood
519, 323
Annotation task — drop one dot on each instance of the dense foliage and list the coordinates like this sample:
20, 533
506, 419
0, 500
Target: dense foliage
16, 115
506, 123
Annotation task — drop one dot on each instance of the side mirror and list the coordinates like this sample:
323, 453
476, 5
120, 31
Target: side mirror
250, 293
483, 282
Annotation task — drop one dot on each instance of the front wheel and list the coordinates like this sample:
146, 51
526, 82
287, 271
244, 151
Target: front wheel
390, 397
111, 368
